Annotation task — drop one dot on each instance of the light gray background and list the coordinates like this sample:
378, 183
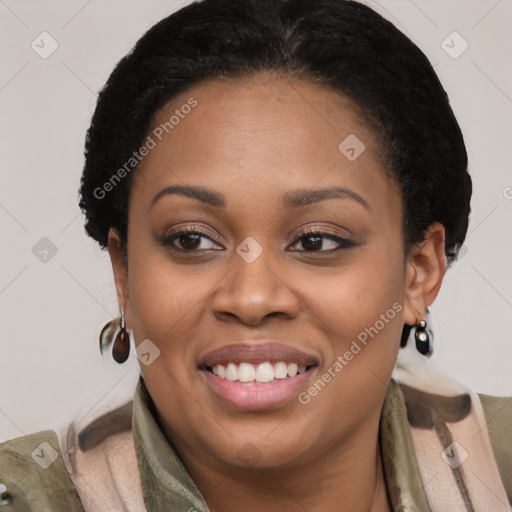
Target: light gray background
51, 312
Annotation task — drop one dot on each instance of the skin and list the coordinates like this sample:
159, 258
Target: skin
253, 141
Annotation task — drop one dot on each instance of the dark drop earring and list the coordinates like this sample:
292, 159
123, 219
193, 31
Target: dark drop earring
121, 346
422, 338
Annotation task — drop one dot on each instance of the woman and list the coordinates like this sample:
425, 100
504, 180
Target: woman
281, 185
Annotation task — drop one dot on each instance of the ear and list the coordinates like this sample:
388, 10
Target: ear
425, 268
119, 266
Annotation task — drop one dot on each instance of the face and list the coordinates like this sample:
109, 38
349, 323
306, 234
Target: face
257, 248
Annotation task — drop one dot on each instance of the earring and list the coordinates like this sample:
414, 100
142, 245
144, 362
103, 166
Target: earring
423, 336
422, 339
121, 346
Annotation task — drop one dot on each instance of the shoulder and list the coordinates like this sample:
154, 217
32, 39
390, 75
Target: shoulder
36, 479
498, 415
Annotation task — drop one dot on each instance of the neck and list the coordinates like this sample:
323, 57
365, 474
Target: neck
346, 477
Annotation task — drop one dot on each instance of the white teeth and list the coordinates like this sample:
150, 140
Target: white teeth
292, 369
232, 372
257, 373
246, 372
280, 370
264, 372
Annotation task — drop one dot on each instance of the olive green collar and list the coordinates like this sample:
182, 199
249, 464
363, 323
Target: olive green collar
403, 479
167, 485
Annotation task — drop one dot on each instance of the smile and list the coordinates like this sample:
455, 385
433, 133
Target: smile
257, 376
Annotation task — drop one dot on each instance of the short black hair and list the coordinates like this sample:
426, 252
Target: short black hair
341, 44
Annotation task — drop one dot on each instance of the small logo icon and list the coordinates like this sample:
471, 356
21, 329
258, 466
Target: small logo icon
454, 455
146, 352
351, 147
44, 45
44, 455
454, 45
44, 250
249, 454
249, 249
507, 192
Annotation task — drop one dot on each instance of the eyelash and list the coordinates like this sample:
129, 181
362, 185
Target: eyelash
344, 243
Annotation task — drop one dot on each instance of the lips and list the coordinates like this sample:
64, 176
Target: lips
256, 376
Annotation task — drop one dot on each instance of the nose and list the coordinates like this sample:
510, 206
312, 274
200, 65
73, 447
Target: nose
253, 291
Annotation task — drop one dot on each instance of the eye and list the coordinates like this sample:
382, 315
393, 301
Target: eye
315, 240
189, 240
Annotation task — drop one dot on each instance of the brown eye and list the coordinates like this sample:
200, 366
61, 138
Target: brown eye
189, 240
320, 241
312, 242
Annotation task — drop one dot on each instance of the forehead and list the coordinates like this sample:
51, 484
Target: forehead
262, 133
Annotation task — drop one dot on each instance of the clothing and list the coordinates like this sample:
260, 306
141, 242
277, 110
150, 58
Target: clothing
104, 474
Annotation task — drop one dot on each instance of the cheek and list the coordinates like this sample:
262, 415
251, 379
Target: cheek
360, 314
170, 304
354, 297
360, 308
162, 296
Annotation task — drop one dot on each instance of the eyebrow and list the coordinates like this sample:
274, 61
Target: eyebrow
305, 197
200, 193
291, 200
